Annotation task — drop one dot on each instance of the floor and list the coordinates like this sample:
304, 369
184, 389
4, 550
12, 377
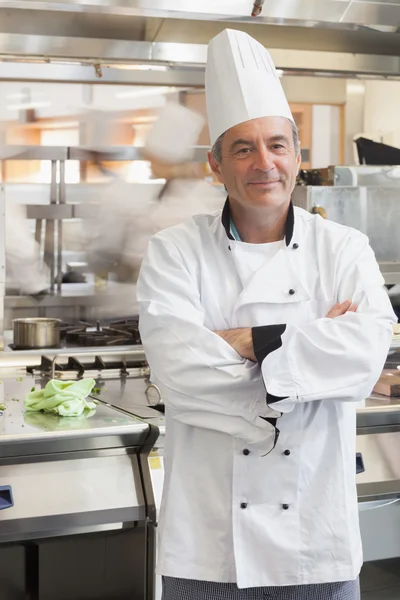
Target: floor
381, 580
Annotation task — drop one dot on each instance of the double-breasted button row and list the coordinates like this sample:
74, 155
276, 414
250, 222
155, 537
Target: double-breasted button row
244, 505
246, 452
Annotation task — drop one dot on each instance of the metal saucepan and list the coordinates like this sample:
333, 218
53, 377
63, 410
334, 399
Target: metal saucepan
36, 333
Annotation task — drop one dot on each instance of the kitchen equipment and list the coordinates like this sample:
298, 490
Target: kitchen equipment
91, 475
36, 333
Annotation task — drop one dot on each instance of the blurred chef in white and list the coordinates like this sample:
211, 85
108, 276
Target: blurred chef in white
263, 326
25, 270
128, 216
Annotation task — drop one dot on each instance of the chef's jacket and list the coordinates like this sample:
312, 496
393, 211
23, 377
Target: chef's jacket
260, 485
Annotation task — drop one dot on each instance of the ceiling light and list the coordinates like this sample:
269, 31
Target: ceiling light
28, 105
355, 88
140, 67
17, 96
146, 92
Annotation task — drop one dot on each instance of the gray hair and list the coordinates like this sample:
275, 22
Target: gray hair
216, 150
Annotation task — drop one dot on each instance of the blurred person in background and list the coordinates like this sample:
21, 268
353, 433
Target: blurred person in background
25, 271
24, 268
128, 215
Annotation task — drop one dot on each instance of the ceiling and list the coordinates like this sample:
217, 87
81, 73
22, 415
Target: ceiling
360, 36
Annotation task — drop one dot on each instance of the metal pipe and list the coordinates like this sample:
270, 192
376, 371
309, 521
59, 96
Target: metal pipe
257, 8
2, 262
61, 200
49, 235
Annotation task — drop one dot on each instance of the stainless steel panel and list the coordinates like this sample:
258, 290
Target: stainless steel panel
379, 412
113, 153
15, 44
380, 526
87, 74
33, 152
50, 212
327, 11
110, 51
123, 153
366, 13
396, 2
316, 10
2, 262
381, 458
71, 494
369, 176
374, 211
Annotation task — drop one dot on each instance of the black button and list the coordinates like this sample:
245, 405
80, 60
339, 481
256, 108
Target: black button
285, 506
295, 246
243, 505
246, 452
292, 291
287, 453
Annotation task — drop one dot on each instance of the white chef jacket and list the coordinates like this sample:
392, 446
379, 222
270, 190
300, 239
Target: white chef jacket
240, 502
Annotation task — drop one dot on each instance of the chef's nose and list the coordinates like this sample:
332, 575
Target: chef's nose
263, 159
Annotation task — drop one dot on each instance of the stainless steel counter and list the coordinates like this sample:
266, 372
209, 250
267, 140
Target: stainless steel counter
86, 472
26, 433
380, 413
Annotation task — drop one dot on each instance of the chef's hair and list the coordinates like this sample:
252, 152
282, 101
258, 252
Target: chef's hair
216, 150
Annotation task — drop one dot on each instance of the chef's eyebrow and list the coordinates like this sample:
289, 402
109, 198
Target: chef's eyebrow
240, 142
278, 138
272, 140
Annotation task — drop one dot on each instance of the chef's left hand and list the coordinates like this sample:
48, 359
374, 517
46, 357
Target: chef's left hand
241, 341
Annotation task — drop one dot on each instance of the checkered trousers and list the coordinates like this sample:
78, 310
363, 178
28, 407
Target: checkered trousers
188, 589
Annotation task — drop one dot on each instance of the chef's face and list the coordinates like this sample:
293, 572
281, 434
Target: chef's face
259, 162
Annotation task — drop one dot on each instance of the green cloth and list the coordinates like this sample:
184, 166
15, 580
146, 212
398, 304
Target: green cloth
64, 398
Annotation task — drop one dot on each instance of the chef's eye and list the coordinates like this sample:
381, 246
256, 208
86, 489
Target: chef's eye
244, 151
278, 146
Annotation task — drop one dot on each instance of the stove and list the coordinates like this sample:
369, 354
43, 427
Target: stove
124, 332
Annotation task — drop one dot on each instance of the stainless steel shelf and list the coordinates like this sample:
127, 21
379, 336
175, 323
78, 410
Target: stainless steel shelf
81, 153
33, 152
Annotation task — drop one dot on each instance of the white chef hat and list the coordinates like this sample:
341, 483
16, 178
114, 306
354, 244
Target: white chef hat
241, 83
173, 135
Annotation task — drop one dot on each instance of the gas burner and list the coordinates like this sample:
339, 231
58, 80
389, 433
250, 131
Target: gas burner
118, 333
130, 326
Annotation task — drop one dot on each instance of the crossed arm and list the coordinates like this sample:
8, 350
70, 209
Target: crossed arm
241, 340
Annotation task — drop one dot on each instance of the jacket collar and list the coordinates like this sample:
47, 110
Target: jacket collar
226, 222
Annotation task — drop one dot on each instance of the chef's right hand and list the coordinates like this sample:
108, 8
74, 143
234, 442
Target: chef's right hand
341, 308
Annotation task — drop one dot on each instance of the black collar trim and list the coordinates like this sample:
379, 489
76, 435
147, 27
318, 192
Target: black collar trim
289, 227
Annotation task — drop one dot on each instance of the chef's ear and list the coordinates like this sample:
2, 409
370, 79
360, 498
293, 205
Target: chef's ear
215, 167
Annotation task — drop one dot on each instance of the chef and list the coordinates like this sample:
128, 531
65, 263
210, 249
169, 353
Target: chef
129, 215
263, 325
24, 267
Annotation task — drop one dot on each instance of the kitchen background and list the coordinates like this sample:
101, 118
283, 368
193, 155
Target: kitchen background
94, 74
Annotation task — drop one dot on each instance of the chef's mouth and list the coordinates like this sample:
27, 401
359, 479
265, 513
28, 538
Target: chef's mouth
264, 182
